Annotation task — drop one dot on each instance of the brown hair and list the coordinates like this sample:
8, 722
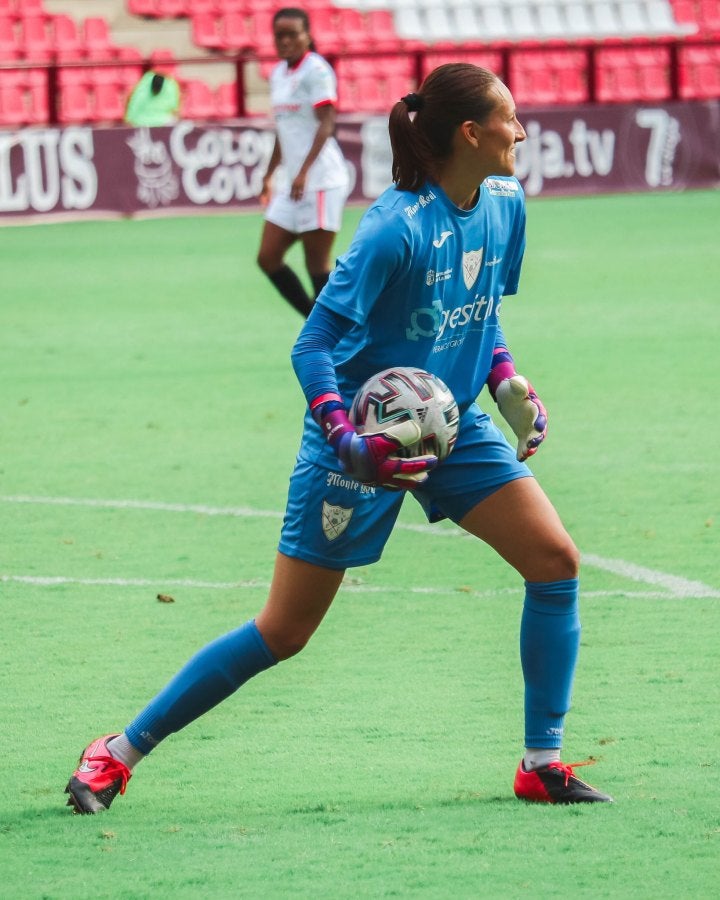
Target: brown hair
451, 94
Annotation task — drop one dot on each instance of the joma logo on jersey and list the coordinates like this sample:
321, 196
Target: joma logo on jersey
434, 321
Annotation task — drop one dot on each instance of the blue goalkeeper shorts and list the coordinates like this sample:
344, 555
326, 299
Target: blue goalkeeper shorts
336, 522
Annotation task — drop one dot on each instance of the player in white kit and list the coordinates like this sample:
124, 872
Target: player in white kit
307, 171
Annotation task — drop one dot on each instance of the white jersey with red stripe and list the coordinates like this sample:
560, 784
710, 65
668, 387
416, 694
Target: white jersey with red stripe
295, 93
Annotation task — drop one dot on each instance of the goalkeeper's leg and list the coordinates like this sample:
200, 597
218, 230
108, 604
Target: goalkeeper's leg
300, 595
522, 525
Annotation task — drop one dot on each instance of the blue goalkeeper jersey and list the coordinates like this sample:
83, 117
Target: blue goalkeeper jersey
423, 281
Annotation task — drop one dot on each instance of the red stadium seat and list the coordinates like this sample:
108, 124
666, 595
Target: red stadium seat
172, 9
349, 26
110, 100
324, 27
131, 70
236, 32
709, 16
700, 72
76, 104
381, 28
10, 47
35, 39
198, 101
223, 6
37, 96
13, 110
96, 35
226, 105
145, 8
162, 60
66, 40
205, 31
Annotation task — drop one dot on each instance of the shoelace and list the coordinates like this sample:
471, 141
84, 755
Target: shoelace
567, 768
115, 767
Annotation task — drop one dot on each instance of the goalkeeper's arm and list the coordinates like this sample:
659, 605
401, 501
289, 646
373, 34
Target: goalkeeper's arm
369, 458
518, 403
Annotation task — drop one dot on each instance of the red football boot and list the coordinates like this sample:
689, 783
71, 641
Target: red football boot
556, 783
98, 778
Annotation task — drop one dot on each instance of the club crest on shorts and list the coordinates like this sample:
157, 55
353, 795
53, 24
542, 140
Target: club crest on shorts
471, 262
334, 520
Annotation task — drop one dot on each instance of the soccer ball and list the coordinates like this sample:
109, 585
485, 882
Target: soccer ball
401, 393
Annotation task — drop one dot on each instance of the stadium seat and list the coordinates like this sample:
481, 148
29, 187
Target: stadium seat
684, 13
700, 72
709, 16
381, 27
13, 110
633, 17
145, 8
222, 6
75, 104
205, 31
198, 101
264, 42
10, 48
328, 36
653, 67
35, 39
604, 18
488, 59
172, 9
226, 105
36, 81
660, 19
235, 32
521, 20
66, 40
532, 79
493, 22
352, 31
162, 60
370, 95
129, 66
30, 7
96, 36
549, 19
110, 100
578, 20
439, 28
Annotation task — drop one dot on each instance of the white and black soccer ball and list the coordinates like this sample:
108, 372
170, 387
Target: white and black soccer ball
401, 393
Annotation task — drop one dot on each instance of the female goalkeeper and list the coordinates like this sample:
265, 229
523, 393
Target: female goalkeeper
421, 285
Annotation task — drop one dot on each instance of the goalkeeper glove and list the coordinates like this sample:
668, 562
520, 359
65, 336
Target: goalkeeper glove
518, 403
371, 458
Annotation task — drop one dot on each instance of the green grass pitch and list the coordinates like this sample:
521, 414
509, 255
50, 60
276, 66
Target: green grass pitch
149, 420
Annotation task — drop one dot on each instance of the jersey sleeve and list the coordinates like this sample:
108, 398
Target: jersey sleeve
381, 249
517, 248
322, 84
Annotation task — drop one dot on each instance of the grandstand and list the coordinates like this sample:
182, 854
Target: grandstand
74, 61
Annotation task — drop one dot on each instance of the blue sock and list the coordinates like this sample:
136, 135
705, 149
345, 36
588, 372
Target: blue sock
549, 643
214, 673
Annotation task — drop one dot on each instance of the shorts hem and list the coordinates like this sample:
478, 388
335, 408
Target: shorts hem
324, 562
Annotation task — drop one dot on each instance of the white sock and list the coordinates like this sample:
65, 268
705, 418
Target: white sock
536, 757
123, 750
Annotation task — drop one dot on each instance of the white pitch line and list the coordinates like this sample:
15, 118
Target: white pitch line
678, 587
191, 584
673, 585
